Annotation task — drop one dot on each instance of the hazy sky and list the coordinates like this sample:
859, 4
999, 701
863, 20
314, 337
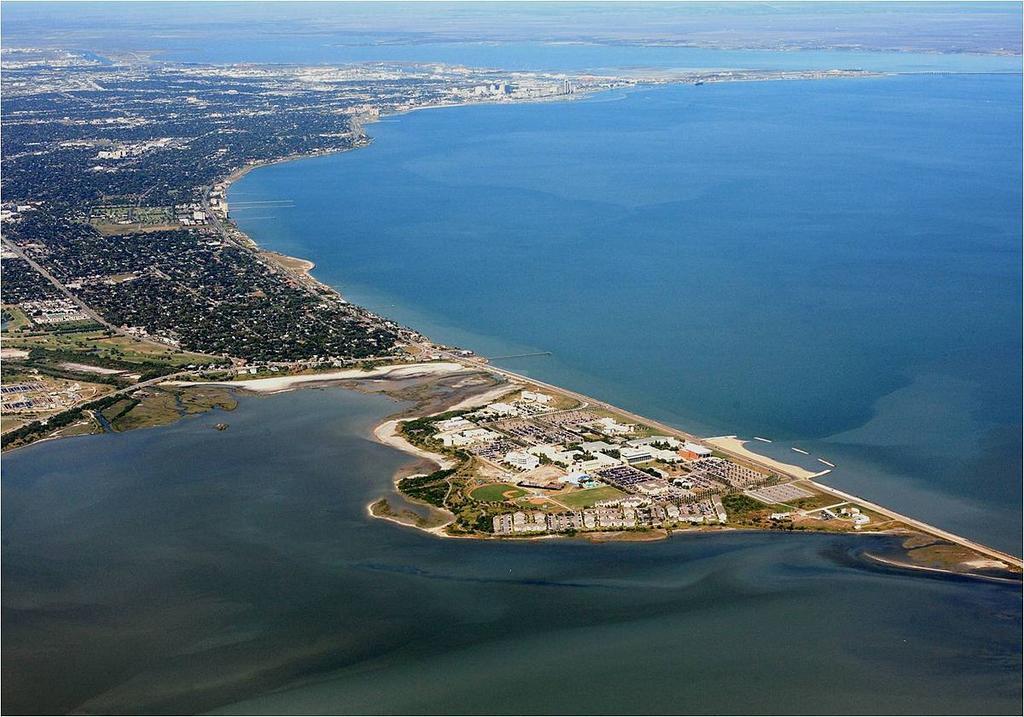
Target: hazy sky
944, 27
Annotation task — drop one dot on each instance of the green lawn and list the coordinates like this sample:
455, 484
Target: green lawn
17, 318
587, 497
123, 348
496, 492
737, 504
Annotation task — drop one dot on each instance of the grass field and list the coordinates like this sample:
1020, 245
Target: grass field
737, 504
587, 497
85, 427
16, 318
542, 504
496, 492
818, 500
122, 348
9, 423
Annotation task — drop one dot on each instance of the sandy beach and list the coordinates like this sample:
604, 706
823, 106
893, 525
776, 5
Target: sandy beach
739, 447
276, 384
387, 433
945, 571
290, 263
482, 399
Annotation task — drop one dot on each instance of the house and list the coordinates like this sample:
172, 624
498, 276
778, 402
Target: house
660, 454
503, 524
595, 462
597, 446
576, 479
533, 522
669, 441
716, 501
633, 501
561, 522
467, 438
553, 454
652, 487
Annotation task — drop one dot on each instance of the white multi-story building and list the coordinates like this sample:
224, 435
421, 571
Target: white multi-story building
536, 397
522, 460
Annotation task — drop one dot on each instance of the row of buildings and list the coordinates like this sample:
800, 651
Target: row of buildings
616, 515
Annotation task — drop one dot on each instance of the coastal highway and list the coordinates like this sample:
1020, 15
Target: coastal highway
669, 430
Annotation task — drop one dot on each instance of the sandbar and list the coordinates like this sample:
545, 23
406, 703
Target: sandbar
275, 384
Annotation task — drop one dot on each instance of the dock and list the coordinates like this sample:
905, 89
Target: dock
515, 356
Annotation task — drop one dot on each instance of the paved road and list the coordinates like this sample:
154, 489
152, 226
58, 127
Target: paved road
63, 289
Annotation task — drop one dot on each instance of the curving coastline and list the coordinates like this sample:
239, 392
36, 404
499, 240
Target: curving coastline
730, 445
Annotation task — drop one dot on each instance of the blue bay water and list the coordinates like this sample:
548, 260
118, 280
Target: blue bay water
575, 57
834, 265
831, 264
182, 569
335, 34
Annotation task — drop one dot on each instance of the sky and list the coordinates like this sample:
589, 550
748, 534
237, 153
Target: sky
914, 26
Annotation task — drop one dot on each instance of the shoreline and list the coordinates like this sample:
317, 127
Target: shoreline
728, 445
735, 445
386, 434
365, 140
691, 78
888, 562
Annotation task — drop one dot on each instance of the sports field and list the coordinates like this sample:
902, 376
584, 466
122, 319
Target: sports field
496, 492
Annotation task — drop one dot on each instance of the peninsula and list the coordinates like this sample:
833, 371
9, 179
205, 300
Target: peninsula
131, 299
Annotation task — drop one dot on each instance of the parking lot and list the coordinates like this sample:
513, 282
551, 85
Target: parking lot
779, 493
